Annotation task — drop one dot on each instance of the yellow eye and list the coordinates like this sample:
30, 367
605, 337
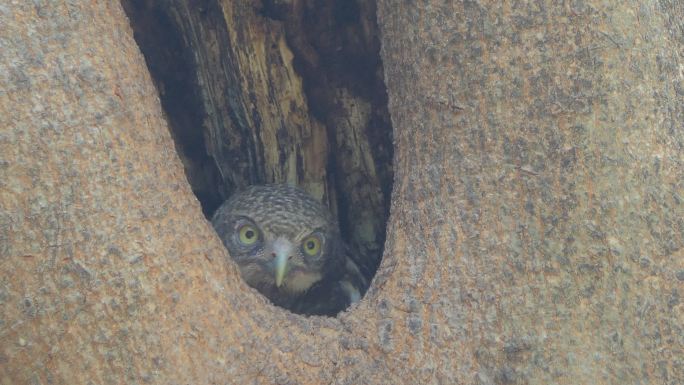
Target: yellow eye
311, 245
248, 235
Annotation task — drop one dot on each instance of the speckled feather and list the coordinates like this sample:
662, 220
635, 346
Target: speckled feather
324, 285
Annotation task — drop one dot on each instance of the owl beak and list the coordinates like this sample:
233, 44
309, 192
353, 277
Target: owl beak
280, 268
282, 249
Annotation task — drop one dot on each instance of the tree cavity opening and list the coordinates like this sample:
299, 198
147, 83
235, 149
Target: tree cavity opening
279, 91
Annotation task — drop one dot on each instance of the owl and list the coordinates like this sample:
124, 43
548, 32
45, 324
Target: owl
288, 247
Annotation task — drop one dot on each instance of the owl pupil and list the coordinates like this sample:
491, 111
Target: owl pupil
249, 234
310, 245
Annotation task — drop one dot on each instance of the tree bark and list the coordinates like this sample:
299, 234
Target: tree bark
535, 232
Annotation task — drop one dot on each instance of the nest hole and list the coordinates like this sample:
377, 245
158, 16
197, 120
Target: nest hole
284, 91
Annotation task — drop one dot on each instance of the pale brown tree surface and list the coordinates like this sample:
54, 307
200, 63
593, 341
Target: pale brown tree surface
549, 197
535, 233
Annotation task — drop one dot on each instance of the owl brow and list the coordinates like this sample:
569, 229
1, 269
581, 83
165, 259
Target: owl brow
317, 231
242, 219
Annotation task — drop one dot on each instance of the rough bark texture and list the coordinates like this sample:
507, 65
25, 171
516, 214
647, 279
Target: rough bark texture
538, 195
535, 235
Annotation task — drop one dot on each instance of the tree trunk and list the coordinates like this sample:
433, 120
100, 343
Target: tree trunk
535, 233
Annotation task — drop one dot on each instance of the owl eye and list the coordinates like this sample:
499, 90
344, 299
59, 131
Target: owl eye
311, 245
248, 235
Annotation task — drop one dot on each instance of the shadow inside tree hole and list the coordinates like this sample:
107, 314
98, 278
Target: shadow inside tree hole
220, 133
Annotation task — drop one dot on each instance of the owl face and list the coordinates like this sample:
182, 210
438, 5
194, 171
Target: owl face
280, 237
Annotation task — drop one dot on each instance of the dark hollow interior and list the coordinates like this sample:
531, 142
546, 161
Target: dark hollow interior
344, 36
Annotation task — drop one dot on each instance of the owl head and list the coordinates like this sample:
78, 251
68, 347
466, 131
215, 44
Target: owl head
281, 238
